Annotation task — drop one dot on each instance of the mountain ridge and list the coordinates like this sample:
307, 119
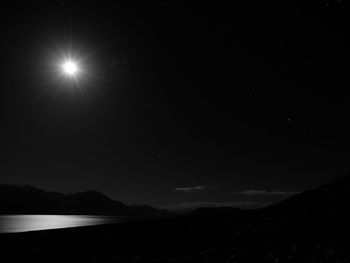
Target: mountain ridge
26, 199
325, 201
330, 200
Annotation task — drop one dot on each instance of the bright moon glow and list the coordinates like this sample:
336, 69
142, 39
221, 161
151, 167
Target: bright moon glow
70, 68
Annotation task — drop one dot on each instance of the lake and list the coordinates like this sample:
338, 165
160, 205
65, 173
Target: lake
24, 223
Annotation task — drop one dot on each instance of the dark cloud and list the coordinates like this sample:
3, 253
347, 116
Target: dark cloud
197, 188
190, 189
267, 193
194, 205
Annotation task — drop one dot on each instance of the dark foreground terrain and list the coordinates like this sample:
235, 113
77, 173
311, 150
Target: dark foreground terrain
184, 240
310, 227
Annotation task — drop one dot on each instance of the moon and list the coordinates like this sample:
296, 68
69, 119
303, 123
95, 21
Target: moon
70, 68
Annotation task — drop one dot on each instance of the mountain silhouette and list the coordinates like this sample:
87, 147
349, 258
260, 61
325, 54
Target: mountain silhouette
26, 199
329, 200
216, 211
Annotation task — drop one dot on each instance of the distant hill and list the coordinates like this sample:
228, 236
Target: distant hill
26, 199
329, 200
216, 211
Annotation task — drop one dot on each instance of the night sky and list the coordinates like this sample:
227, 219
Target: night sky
182, 103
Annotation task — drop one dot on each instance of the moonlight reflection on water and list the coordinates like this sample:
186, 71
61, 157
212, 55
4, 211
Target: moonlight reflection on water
24, 223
